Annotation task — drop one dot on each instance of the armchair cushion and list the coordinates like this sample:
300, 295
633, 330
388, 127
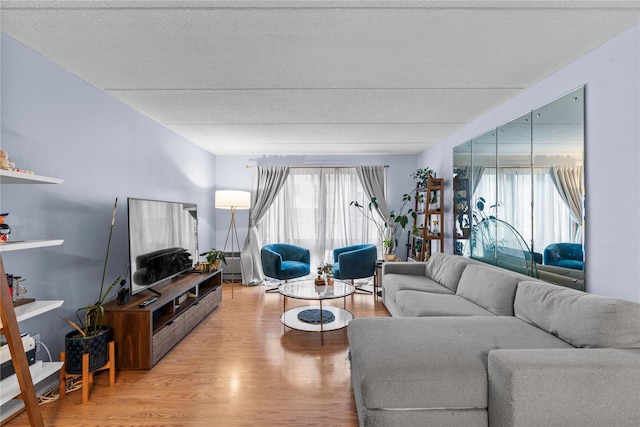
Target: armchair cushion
355, 262
568, 255
283, 261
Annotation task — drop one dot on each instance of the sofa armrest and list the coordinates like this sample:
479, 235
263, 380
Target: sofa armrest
404, 267
581, 387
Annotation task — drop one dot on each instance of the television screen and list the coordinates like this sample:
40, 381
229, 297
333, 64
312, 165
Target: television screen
163, 241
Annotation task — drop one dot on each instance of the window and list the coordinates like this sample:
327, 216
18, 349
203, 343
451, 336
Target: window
553, 219
314, 211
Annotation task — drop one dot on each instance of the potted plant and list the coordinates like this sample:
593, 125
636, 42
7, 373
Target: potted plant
390, 226
214, 259
324, 274
423, 175
90, 334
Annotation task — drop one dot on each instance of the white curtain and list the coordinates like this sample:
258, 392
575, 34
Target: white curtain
553, 221
570, 186
313, 211
372, 179
267, 183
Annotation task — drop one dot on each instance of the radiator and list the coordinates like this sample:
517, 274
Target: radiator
231, 271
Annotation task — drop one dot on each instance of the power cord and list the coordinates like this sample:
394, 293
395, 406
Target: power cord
47, 350
71, 384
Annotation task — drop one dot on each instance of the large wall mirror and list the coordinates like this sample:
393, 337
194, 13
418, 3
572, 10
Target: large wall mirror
519, 193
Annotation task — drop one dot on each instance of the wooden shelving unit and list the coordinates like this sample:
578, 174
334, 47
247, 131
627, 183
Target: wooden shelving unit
22, 384
434, 232
431, 217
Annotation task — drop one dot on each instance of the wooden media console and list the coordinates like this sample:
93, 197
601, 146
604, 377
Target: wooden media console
143, 335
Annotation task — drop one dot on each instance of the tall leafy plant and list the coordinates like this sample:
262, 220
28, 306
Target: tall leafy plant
389, 228
91, 317
396, 221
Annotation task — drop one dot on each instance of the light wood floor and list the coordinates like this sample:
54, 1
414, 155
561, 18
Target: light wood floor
239, 367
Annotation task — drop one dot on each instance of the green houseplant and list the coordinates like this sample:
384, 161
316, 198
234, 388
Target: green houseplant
90, 334
396, 221
214, 258
423, 175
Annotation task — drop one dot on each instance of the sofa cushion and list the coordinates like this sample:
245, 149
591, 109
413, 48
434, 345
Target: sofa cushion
446, 269
433, 362
581, 319
491, 288
394, 283
418, 304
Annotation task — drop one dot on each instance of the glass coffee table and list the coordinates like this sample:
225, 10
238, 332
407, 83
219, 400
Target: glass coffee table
309, 318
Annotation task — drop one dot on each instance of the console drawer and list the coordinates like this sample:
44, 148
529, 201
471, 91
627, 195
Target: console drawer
194, 315
212, 299
167, 337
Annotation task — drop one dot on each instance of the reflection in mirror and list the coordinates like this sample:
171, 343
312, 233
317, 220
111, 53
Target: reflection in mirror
461, 196
483, 193
523, 183
558, 156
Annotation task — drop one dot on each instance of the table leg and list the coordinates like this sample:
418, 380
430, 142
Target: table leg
321, 325
284, 310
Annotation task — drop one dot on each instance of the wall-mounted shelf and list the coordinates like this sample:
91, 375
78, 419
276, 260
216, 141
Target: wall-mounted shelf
33, 309
28, 244
10, 177
19, 390
39, 371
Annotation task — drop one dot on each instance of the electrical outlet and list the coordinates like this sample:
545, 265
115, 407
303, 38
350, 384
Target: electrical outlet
36, 338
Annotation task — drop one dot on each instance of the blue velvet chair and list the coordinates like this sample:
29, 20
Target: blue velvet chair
283, 261
567, 255
355, 262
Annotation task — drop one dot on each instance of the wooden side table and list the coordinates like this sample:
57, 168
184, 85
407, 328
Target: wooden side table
377, 278
87, 377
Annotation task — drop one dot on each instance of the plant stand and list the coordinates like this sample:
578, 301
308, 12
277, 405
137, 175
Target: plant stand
87, 377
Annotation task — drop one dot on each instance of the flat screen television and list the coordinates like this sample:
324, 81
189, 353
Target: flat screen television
163, 241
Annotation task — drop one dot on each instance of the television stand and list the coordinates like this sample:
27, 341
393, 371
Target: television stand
143, 335
154, 291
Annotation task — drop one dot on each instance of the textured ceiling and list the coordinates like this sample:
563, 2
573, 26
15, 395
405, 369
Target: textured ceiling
314, 77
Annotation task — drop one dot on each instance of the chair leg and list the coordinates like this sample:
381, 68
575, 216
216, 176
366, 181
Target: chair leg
276, 289
359, 289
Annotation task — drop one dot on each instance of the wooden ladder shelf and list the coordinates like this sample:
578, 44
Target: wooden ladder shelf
9, 327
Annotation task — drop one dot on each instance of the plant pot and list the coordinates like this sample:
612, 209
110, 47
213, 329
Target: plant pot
216, 265
389, 257
75, 345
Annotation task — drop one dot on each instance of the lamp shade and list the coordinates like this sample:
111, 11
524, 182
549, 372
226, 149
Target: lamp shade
227, 199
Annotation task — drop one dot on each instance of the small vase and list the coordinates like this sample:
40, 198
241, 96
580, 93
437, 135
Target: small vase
330, 279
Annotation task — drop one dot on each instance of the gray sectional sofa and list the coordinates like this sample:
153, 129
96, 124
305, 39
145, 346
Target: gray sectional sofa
473, 345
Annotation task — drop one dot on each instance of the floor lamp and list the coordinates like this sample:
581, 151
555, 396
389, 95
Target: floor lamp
233, 200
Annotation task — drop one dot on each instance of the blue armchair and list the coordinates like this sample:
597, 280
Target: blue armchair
567, 255
355, 262
283, 261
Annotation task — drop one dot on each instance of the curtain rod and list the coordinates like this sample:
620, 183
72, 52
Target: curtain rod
316, 167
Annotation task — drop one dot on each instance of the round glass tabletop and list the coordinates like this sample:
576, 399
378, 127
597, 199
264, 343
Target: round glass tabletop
306, 289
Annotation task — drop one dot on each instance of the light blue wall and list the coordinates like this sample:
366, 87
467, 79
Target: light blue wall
57, 125
611, 74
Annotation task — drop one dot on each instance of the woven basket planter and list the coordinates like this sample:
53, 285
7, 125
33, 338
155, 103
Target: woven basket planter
96, 345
